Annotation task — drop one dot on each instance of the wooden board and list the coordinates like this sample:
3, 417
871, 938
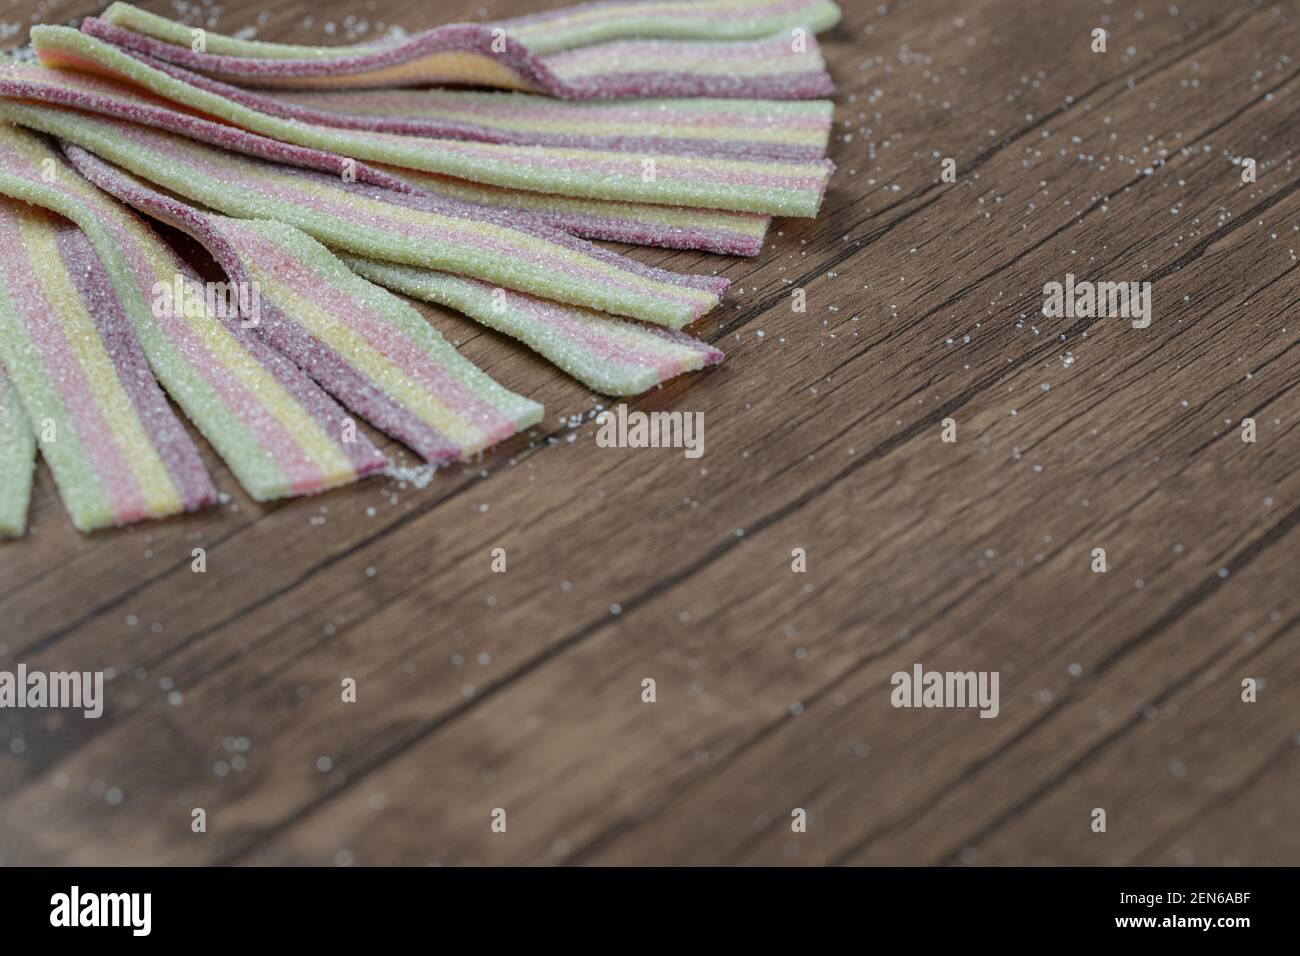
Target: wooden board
823, 431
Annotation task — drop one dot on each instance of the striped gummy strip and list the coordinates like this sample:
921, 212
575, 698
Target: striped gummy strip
611, 356
366, 347
671, 227
674, 227
17, 458
774, 68
279, 433
116, 451
742, 185
552, 30
387, 225
758, 58
739, 128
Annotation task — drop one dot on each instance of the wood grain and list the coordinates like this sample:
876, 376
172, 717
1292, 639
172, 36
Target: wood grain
522, 690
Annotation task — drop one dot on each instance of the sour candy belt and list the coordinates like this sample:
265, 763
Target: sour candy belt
547, 32
752, 50
742, 129
279, 433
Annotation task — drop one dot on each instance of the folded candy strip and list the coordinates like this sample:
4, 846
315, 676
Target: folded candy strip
116, 451
551, 30
279, 433
743, 185
674, 227
17, 458
609, 355
587, 52
744, 129
382, 224
366, 347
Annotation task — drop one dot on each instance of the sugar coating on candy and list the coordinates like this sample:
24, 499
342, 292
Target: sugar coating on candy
366, 347
673, 227
679, 20
739, 128
386, 225
550, 30
535, 53
762, 186
17, 458
116, 451
279, 433
773, 68
590, 23
97, 94
749, 129
612, 356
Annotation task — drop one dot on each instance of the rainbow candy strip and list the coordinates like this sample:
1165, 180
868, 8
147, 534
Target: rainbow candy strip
279, 433
366, 347
17, 458
742, 185
117, 452
535, 53
386, 225
674, 227
550, 31
743, 129
612, 356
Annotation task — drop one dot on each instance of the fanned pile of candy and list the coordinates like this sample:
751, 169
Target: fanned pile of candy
321, 178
